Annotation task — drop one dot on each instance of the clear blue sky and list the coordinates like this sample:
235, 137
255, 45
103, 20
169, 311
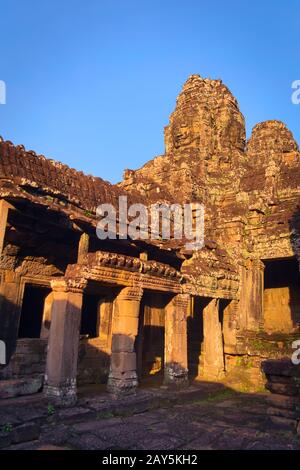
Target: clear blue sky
92, 83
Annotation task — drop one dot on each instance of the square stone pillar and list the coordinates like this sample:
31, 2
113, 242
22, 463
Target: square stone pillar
176, 368
46, 321
62, 355
123, 369
230, 327
10, 310
4, 208
212, 357
83, 248
251, 295
104, 321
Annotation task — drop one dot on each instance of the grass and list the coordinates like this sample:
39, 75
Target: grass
88, 213
50, 409
7, 428
216, 397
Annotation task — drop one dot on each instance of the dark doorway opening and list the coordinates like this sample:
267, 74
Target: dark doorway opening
150, 342
89, 317
32, 311
223, 304
195, 335
281, 295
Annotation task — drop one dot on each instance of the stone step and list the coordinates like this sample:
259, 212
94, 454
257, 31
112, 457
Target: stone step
23, 386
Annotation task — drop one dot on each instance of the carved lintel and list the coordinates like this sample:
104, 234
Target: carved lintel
135, 264
76, 285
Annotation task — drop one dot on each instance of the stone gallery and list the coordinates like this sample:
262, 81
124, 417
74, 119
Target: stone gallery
76, 310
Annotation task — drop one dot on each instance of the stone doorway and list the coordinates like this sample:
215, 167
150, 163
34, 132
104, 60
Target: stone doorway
281, 299
206, 339
90, 323
95, 334
150, 343
195, 335
32, 311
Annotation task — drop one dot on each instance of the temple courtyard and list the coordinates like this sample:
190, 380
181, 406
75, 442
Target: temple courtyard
202, 417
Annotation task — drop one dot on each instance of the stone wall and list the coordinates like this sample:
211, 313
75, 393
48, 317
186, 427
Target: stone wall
29, 359
283, 381
93, 362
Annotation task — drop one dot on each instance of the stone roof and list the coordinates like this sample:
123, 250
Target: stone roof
24, 174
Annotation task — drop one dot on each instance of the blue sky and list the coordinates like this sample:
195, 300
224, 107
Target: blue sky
92, 83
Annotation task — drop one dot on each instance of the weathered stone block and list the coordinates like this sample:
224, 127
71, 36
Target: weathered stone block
122, 343
282, 367
16, 387
24, 433
284, 422
283, 389
125, 325
283, 401
123, 362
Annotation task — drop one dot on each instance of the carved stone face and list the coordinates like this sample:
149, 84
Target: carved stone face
182, 135
190, 128
231, 130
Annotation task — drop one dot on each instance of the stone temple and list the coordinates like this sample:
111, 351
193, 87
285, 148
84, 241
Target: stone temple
77, 310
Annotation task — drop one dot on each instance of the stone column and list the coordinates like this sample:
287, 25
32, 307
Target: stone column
212, 357
251, 295
176, 369
83, 247
62, 355
104, 322
46, 322
9, 316
4, 208
230, 327
123, 374
9, 299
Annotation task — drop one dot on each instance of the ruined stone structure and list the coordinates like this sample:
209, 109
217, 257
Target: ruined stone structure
75, 309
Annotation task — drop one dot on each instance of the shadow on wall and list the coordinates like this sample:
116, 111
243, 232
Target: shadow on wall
195, 340
149, 347
195, 335
27, 356
150, 341
93, 362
